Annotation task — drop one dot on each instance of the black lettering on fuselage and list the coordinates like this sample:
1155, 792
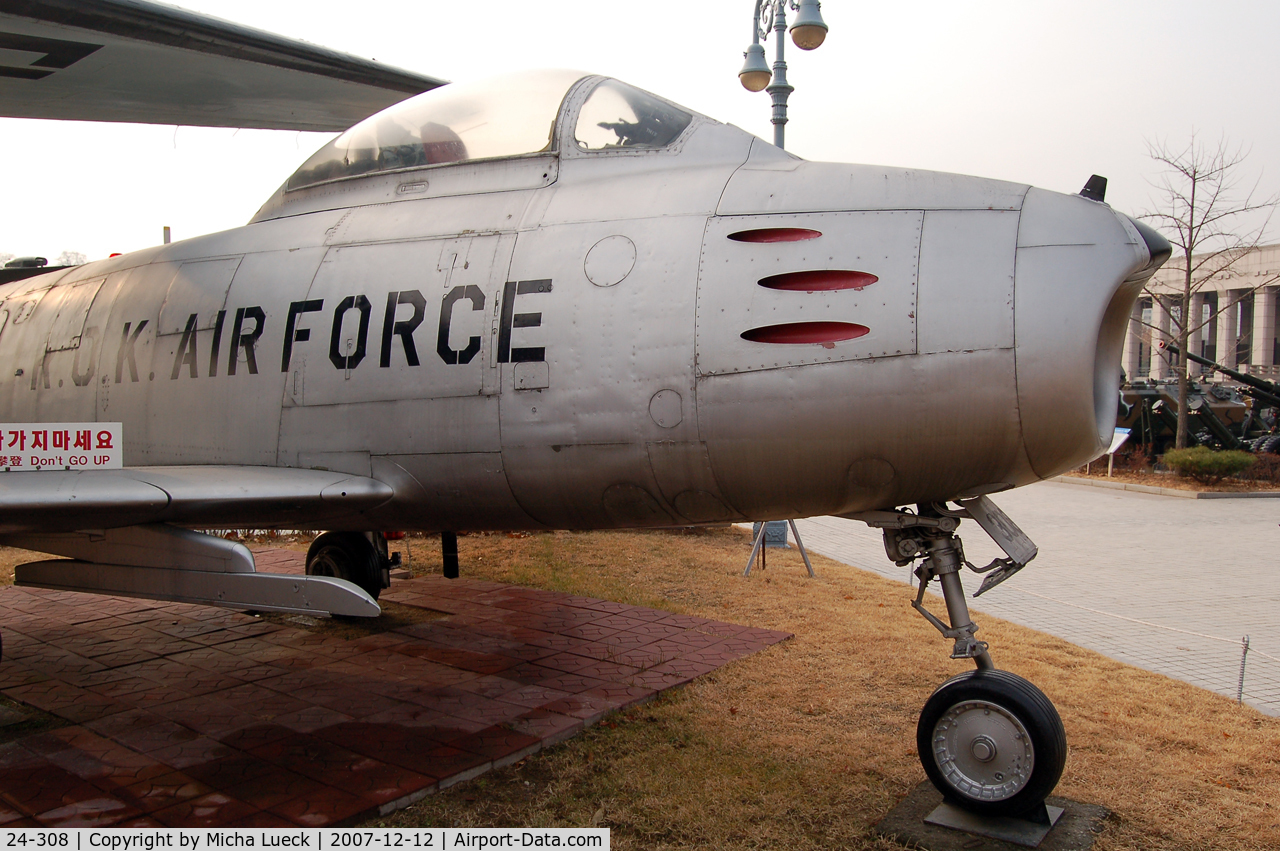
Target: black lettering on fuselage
351, 359
186, 350
217, 344
447, 353
249, 323
126, 351
81, 379
510, 319
248, 342
292, 333
404, 328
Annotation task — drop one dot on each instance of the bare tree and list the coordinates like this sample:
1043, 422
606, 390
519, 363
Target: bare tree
1213, 225
71, 258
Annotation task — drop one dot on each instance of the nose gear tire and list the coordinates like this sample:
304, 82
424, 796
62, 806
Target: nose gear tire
991, 743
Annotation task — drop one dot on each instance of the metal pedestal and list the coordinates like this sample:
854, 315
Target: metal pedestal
912, 822
757, 549
1027, 832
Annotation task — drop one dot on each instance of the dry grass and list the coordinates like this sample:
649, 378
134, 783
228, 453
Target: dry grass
809, 743
1098, 470
11, 558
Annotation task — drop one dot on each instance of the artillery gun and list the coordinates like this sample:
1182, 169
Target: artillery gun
1222, 416
1219, 415
1265, 392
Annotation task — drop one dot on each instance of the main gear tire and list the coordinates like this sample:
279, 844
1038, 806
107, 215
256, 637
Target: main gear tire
349, 556
991, 743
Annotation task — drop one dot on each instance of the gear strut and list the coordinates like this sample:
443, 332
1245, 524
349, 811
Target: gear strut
990, 741
930, 536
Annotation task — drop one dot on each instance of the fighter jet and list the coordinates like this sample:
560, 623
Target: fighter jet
549, 300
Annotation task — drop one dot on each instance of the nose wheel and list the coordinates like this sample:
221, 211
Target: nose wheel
992, 743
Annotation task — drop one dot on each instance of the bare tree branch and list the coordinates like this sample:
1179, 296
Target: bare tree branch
1213, 225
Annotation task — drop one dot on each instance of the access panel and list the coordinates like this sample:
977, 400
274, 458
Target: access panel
787, 290
396, 321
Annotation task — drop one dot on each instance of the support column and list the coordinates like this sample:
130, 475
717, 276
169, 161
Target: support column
1196, 338
1133, 342
1264, 326
449, 552
1228, 324
1160, 319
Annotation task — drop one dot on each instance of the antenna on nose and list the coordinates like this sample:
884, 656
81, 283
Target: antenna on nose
1095, 189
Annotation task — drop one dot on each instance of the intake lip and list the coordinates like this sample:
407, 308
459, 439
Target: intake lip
1080, 268
1157, 246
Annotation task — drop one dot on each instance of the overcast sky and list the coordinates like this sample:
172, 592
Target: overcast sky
1040, 92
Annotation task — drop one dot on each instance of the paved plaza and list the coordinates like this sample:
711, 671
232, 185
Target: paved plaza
1170, 585
171, 714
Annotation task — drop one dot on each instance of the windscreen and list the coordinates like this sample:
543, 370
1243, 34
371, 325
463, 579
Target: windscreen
499, 117
620, 116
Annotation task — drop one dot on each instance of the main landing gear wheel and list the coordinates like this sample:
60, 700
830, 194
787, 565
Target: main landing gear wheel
346, 555
992, 743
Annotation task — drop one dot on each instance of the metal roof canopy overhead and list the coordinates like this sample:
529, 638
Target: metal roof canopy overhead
129, 60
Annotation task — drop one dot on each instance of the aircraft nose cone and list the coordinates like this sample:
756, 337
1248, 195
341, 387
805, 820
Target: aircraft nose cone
1080, 268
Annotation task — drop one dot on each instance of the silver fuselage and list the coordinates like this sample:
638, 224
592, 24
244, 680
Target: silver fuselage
556, 340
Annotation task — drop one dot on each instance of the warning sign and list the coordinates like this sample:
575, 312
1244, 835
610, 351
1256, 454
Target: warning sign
60, 446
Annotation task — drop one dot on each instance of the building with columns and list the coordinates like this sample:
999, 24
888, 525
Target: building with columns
1242, 336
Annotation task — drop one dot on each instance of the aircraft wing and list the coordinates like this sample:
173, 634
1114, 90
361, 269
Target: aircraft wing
137, 61
212, 496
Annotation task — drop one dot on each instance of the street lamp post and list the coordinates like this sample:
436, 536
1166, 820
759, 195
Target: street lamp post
807, 32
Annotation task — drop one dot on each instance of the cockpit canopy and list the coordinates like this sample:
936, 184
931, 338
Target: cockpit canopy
504, 116
616, 115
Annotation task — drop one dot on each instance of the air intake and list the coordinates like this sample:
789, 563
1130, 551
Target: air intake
775, 235
799, 333
819, 280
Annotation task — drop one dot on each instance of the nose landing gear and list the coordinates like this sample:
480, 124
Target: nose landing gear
990, 741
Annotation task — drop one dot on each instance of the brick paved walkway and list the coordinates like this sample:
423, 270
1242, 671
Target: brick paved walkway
1170, 585
194, 716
